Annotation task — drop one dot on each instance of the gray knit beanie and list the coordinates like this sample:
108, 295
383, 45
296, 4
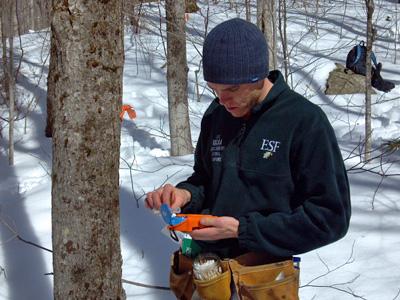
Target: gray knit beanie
235, 52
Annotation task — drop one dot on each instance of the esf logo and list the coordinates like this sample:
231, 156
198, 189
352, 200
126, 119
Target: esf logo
269, 145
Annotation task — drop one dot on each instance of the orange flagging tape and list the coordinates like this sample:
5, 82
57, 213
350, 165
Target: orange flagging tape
129, 109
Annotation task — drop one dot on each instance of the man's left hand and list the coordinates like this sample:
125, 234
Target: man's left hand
217, 229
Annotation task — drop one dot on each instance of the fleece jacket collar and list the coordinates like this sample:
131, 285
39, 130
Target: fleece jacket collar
279, 86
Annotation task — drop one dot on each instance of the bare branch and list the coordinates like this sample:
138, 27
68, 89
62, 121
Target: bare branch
335, 286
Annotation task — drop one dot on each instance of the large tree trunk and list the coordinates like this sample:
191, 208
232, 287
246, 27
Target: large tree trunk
266, 21
370, 38
86, 142
177, 69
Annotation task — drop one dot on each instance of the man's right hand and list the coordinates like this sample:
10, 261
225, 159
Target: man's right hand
168, 194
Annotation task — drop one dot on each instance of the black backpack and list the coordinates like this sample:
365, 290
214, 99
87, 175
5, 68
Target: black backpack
356, 61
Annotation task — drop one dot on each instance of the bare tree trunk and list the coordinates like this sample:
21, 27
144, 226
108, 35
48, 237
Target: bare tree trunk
132, 14
11, 89
4, 34
266, 21
344, 14
31, 14
177, 69
396, 34
7, 27
36, 15
248, 10
316, 17
86, 142
282, 17
52, 78
4, 67
370, 39
45, 17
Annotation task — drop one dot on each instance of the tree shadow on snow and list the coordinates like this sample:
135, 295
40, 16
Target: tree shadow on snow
140, 135
147, 246
24, 264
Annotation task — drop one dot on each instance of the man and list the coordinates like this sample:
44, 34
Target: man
267, 162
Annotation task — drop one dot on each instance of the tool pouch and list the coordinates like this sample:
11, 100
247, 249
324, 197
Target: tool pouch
217, 288
181, 276
270, 281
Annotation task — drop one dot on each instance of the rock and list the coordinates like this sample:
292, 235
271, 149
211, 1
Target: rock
191, 6
344, 81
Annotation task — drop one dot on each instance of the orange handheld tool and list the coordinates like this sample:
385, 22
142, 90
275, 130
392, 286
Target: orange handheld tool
182, 222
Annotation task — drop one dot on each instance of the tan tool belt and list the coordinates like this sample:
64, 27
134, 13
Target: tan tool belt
253, 275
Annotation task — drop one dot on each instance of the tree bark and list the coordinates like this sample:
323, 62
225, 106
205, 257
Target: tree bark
370, 39
5, 20
266, 21
396, 33
4, 68
52, 78
282, 25
86, 142
177, 69
248, 10
11, 102
7, 24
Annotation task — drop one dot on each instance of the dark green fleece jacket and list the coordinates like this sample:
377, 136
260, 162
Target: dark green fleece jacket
280, 173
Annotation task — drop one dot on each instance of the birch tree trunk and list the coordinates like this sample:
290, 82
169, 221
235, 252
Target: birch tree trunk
266, 21
370, 39
177, 69
86, 142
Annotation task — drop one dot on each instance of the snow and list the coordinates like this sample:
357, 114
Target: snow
364, 264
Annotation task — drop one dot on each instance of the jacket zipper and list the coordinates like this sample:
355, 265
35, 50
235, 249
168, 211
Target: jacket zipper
241, 134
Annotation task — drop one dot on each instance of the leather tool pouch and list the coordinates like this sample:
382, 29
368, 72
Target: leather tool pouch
254, 276
181, 276
256, 280
217, 288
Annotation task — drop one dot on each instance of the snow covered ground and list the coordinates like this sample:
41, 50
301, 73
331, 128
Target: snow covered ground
365, 264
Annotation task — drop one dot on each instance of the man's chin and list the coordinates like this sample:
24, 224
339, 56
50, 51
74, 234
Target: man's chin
237, 113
